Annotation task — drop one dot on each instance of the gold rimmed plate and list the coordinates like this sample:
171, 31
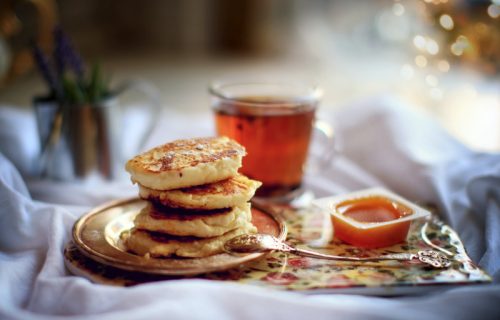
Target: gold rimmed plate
97, 235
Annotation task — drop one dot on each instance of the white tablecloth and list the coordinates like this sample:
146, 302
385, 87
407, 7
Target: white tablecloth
381, 143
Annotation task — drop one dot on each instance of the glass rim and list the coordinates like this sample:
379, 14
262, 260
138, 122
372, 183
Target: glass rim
313, 91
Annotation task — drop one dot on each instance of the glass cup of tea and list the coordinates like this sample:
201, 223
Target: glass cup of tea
274, 121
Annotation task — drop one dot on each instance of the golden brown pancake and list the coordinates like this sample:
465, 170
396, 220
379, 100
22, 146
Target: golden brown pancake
198, 223
222, 194
157, 244
186, 163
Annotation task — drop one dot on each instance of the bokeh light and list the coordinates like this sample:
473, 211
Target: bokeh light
419, 42
494, 10
460, 45
398, 9
432, 46
443, 66
446, 22
421, 61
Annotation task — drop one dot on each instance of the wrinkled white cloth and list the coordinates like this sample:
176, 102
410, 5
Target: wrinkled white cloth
383, 143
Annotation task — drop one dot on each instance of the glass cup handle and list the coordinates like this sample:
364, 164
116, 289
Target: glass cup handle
153, 99
329, 146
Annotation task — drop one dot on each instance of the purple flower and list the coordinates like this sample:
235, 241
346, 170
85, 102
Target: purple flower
59, 49
66, 55
43, 64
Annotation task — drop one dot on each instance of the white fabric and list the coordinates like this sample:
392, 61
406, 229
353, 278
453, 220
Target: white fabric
383, 143
19, 137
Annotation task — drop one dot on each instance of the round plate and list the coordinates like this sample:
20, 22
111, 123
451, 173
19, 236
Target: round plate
97, 235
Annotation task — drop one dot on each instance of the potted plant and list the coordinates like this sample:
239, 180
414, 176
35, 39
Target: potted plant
79, 119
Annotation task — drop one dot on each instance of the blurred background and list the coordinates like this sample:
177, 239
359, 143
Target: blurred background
441, 57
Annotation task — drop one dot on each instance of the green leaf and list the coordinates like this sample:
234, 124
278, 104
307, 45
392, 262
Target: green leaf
96, 87
73, 93
92, 90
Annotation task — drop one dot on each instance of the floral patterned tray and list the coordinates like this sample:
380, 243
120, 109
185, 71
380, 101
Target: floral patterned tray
289, 272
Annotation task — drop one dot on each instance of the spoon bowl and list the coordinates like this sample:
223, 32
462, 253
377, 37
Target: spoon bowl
251, 243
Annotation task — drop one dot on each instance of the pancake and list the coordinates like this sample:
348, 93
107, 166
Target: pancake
198, 223
186, 163
223, 194
156, 244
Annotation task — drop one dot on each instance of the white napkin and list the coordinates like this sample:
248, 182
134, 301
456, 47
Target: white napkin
19, 137
35, 285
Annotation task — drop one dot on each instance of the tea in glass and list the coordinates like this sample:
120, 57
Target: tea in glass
275, 129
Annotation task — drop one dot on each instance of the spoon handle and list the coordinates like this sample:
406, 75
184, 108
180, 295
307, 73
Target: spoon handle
429, 257
396, 256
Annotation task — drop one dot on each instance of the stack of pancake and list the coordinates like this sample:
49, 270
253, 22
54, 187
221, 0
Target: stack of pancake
197, 200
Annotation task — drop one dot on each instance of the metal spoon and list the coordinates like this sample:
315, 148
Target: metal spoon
250, 243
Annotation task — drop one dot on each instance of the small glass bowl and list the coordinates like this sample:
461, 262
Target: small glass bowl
371, 218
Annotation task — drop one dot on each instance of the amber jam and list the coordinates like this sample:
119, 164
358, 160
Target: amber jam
373, 209
375, 222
